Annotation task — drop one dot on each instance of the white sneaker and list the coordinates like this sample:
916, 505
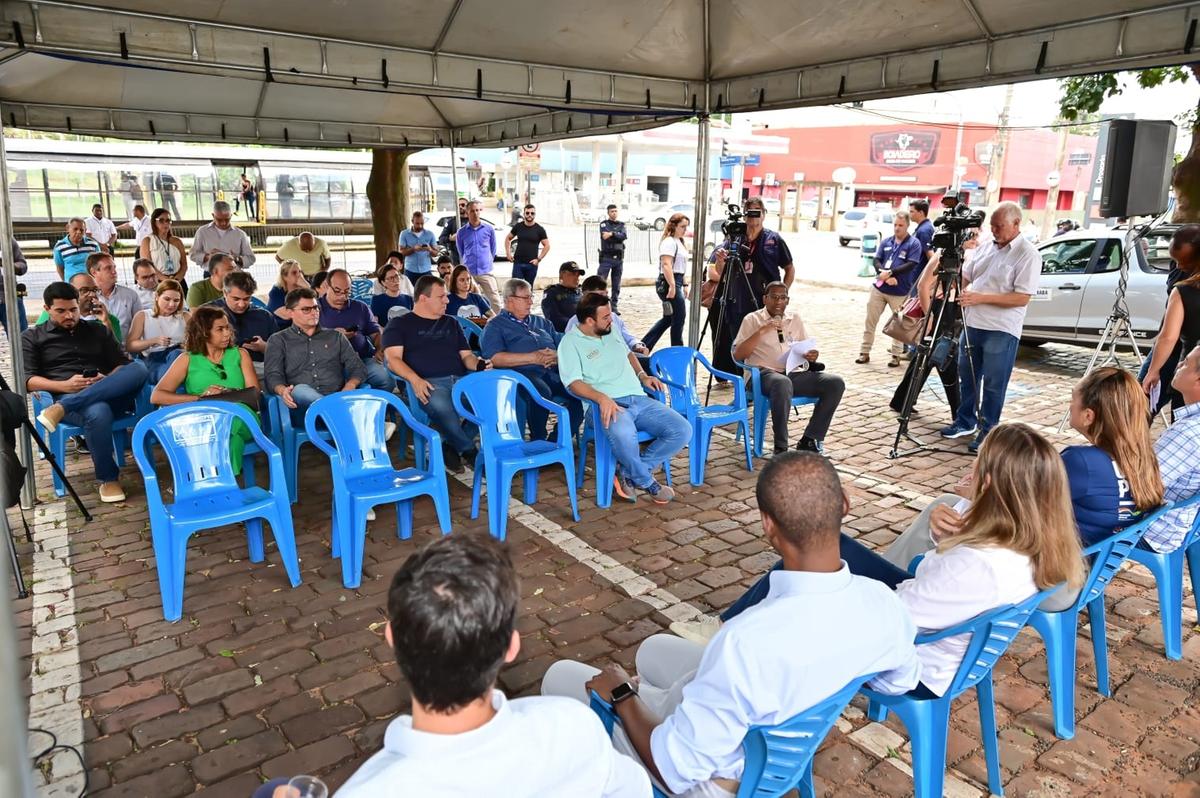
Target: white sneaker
371, 514
700, 631
389, 429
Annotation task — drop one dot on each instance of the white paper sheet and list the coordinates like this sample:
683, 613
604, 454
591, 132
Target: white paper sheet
796, 352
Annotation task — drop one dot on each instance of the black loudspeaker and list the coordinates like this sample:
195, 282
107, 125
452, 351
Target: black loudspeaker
1137, 167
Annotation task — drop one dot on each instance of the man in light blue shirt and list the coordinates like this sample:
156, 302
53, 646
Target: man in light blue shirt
1177, 462
417, 245
599, 367
476, 242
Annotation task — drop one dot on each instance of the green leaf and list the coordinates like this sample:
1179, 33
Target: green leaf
225, 652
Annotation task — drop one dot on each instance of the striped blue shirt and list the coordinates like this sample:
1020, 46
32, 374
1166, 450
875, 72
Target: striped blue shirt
72, 258
1180, 467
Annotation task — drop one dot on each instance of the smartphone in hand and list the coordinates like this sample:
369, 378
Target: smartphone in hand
90, 373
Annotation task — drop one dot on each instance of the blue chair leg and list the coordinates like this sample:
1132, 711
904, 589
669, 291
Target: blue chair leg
698, 453
254, 539
476, 489
285, 540
58, 445
248, 479
498, 503
927, 723
1095, 610
441, 503
744, 433
1193, 562
530, 476
1059, 631
292, 470
335, 532
806, 787
984, 696
876, 712
606, 469
761, 411
571, 488
161, 536
1168, 573
357, 544
404, 522
582, 465
178, 565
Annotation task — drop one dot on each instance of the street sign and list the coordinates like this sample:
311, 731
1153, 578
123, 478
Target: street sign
970, 184
751, 160
730, 160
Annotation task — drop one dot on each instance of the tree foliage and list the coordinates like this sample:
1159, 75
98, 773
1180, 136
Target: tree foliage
1084, 94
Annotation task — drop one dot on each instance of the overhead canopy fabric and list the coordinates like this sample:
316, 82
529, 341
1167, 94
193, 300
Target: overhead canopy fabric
485, 73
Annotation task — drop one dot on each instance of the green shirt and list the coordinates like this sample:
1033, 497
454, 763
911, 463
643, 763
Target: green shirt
602, 363
201, 293
116, 325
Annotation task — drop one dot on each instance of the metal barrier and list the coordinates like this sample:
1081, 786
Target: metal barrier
641, 246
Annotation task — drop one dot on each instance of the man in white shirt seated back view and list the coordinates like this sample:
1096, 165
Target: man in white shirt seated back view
452, 611
819, 628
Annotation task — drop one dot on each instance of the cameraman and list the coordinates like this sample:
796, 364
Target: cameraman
766, 259
998, 283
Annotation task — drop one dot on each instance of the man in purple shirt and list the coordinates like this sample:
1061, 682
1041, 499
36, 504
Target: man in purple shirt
477, 250
355, 320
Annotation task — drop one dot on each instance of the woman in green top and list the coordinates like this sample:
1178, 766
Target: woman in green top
210, 365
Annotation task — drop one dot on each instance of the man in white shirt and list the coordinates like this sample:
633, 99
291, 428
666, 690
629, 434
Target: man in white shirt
220, 237
139, 223
452, 611
101, 229
998, 283
818, 629
122, 301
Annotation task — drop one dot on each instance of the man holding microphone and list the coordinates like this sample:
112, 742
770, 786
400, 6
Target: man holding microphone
764, 340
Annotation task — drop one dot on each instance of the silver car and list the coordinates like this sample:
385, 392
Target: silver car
1080, 272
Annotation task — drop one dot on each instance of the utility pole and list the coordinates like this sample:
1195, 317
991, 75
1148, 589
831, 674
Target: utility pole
996, 165
1052, 193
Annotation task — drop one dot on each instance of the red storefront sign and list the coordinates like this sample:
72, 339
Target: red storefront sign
901, 151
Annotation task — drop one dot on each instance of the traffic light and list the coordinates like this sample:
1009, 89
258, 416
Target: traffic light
724, 148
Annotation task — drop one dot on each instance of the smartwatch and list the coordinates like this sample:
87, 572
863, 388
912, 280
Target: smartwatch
623, 691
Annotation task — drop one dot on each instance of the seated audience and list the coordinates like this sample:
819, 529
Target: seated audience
202, 292
599, 367
212, 368
145, 283
1177, 459
429, 351
91, 306
560, 300
310, 252
396, 261
157, 334
252, 326
462, 299
391, 302
305, 362
121, 300
354, 319
517, 339
452, 611
818, 628
291, 276
1017, 538
764, 340
92, 382
598, 285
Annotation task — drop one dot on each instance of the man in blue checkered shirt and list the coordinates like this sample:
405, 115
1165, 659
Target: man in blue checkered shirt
1178, 453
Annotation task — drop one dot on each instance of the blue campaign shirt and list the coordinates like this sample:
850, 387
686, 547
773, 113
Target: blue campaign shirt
507, 333
477, 248
355, 314
924, 234
381, 305
419, 262
475, 305
903, 259
1099, 493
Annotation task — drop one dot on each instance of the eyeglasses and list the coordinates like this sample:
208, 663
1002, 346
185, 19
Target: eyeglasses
89, 290
778, 297
339, 291
304, 309
523, 297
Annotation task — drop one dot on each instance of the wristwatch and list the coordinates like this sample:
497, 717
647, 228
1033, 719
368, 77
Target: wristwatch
623, 691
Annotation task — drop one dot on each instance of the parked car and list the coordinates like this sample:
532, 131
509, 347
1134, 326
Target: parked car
853, 223
1078, 284
655, 217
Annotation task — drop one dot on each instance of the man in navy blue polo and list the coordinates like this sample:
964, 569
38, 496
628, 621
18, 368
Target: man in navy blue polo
918, 212
516, 339
897, 265
355, 320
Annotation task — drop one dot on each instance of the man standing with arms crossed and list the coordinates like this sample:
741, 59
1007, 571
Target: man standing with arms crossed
476, 244
612, 254
533, 246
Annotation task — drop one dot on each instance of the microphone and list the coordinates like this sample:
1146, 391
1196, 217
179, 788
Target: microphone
780, 334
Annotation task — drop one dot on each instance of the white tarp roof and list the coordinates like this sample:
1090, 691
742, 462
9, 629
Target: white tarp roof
494, 72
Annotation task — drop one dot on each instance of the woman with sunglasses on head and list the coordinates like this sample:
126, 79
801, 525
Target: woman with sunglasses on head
164, 249
212, 367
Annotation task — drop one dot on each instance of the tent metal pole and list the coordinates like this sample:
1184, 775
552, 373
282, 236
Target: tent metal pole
29, 491
700, 233
453, 177
14, 757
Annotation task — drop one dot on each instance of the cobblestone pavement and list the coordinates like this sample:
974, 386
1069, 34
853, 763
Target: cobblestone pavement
260, 680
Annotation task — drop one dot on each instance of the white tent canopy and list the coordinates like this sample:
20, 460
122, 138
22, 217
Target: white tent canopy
486, 73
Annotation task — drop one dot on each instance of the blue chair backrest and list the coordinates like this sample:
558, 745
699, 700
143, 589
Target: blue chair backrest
1108, 554
991, 634
355, 420
361, 289
678, 365
1194, 534
469, 328
491, 403
195, 438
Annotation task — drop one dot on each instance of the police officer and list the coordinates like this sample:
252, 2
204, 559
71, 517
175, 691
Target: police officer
766, 259
612, 253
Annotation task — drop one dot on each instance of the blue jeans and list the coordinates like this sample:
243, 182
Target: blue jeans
525, 271
303, 395
674, 321
459, 435
989, 359
95, 408
4, 317
643, 414
377, 376
549, 385
611, 270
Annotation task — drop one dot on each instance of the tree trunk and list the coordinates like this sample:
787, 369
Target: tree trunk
1186, 180
387, 191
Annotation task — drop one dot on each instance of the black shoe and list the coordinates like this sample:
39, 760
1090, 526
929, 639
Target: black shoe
81, 446
808, 444
452, 460
468, 457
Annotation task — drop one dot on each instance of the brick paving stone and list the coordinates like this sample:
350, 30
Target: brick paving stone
1150, 696
238, 756
169, 782
151, 760
258, 696
308, 728
840, 763
216, 687
1086, 758
389, 700
314, 757
134, 655
171, 726
236, 787
227, 731
134, 714
107, 749
125, 695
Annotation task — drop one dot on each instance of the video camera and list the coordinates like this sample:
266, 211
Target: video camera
954, 226
734, 226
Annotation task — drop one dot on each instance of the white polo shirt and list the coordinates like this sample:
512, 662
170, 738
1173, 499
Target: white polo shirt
141, 228
1012, 268
533, 748
102, 230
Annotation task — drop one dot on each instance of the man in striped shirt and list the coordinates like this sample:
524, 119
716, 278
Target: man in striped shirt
1177, 460
71, 253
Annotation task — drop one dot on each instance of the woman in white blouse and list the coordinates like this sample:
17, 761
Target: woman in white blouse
673, 263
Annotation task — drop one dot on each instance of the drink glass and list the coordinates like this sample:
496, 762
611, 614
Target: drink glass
307, 787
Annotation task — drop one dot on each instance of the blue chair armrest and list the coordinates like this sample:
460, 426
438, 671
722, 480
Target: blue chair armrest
677, 386
431, 436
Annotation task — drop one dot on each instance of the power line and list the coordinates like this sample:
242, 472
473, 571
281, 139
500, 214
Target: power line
968, 125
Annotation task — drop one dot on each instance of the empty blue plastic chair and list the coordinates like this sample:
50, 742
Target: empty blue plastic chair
778, 758
1168, 573
489, 399
472, 331
291, 438
1058, 629
57, 440
606, 462
927, 719
675, 367
363, 475
762, 405
195, 439
362, 289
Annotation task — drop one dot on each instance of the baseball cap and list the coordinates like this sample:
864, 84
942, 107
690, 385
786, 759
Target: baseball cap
570, 266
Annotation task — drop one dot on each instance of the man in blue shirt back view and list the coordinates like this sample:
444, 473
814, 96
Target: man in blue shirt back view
897, 266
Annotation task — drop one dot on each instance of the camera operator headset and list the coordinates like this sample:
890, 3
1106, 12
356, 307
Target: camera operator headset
765, 259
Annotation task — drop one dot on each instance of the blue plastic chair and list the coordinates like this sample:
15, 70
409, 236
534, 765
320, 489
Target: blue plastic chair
417, 411
57, 440
762, 405
469, 329
778, 758
362, 289
290, 438
606, 463
490, 399
195, 439
1168, 573
675, 367
363, 475
927, 719
1058, 629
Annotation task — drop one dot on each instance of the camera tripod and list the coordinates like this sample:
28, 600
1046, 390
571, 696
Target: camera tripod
734, 259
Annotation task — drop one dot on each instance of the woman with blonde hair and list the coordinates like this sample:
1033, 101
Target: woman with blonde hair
157, 333
1017, 537
671, 284
291, 276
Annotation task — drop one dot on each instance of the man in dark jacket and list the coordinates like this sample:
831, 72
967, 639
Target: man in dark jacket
612, 254
559, 300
